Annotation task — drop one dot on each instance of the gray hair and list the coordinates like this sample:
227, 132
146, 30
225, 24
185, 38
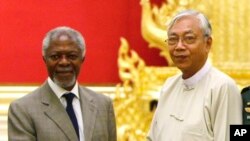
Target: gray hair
54, 33
205, 24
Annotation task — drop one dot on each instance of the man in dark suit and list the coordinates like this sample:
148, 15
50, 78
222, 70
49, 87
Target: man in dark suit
47, 114
245, 93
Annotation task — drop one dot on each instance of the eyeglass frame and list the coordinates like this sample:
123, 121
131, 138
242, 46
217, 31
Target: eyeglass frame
186, 40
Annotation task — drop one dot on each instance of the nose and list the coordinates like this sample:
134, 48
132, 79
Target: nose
180, 45
64, 60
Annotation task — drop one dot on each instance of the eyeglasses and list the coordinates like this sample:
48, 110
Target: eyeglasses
186, 40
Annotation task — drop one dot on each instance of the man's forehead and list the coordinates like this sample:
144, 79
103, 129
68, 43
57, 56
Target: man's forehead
185, 26
189, 31
63, 41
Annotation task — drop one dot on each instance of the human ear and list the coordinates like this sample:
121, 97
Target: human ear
209, 42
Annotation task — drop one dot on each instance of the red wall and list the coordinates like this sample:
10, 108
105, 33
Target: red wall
23, 25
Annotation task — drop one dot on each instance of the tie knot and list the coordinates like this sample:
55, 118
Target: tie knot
69, 97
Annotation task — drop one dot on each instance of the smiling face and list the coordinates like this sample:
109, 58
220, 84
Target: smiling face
188, 46
63, 59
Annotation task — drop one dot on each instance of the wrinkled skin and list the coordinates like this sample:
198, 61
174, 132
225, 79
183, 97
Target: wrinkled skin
63, 60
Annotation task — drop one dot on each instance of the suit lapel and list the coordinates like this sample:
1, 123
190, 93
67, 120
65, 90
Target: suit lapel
56, 112
89, 111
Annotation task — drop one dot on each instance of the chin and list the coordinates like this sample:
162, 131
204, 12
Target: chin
65, 83
181, 66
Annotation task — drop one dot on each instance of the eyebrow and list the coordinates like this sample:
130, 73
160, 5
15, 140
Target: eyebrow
186, 32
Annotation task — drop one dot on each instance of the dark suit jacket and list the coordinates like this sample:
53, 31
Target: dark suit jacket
40, 116
245, 93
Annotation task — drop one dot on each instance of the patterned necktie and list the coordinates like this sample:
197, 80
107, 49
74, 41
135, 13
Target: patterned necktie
69, 98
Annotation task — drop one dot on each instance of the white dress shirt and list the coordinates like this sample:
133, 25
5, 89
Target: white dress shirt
76, 103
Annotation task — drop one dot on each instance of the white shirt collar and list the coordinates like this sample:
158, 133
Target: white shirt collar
197, 76
59, 91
